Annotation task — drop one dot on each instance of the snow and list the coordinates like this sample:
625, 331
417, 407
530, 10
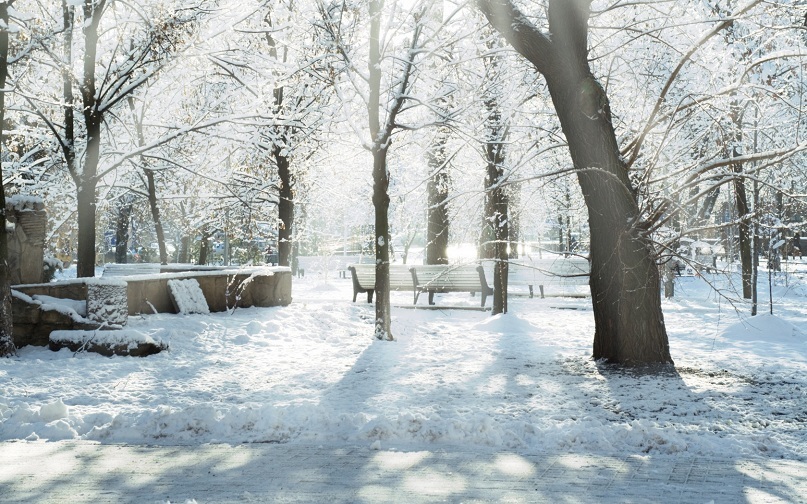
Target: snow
76, 310
22, 202
130, 337
312, 372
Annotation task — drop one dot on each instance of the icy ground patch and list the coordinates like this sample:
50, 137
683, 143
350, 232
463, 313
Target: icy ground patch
311, 372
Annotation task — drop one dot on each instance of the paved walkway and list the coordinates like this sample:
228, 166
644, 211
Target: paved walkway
75, 472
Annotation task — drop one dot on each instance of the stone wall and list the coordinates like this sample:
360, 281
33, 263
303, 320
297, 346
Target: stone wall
222, 289
26, 243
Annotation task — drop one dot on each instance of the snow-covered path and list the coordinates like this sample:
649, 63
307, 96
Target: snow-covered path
85, 472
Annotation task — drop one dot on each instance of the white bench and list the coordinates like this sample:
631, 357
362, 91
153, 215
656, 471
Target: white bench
553, 275
363, 276
442, 278
431, 278
130, 269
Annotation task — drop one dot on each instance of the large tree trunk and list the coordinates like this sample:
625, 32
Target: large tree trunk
625, 283
6, 329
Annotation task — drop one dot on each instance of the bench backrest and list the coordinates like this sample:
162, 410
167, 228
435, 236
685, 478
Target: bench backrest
400, 278
552, 271
130, 269
448, 276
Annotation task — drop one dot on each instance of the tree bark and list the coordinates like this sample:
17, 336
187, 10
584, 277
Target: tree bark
184, 246
6, 319
625, 283
380, 140
122, 231
204, 247
86, 197
285, 208
155, 215
513, 219
744, 228
151, 185
497, 218
437, 226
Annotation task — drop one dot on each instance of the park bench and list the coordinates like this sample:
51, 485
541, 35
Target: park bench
130, 269
439, 278
363, 276
553, 274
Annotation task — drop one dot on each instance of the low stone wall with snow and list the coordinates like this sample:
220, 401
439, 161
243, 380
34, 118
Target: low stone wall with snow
223, 289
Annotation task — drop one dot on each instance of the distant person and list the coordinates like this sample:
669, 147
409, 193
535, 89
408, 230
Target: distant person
795, 249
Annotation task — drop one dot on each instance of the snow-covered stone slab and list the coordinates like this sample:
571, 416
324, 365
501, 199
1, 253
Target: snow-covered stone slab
187, 296
107, 342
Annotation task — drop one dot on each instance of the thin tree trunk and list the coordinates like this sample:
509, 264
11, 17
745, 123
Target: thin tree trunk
285, 208
496, 195
513, 220
184, 246
496, 205
744, 219
380, 140
155, 215
381, 202
122, 231
86, 197
437, 226
204, 247
741, 204
6, 319
151, 186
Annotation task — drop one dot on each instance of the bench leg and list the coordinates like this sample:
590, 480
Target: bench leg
355, 293
542, 290
530, 286
370, 295
431, 297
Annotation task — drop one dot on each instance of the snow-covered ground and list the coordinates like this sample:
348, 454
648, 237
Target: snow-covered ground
311, 372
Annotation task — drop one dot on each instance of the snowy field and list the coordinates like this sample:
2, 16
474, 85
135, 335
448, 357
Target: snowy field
311, 373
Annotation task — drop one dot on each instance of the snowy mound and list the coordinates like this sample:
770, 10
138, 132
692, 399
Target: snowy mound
768, 328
